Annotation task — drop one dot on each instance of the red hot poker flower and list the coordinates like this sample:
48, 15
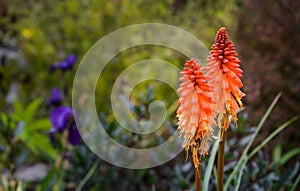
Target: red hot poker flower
195, 112
224, 75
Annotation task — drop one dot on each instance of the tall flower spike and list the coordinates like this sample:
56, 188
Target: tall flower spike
195, 113
224, 76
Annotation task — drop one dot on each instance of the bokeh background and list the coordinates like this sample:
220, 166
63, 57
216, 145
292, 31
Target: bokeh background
42, 43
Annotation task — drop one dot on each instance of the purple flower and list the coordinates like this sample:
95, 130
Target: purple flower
66, 64
74, 136
62, 119
71, 59
56, 98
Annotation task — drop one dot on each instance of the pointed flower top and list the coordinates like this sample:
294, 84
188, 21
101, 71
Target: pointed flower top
225, 75
194, 114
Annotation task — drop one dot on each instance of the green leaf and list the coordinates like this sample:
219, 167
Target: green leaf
289, 155
40, 145
3, 119
258, 148
89, 174
210, 165
241, 171
271, 136
31, 110
262, 121
41, 124
296, 183
18, 110
277, 153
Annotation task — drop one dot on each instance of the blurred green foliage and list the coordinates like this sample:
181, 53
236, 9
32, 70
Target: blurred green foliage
48, 31
22, 128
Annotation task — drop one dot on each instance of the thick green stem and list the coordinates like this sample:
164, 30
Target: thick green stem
198, 178
221, 160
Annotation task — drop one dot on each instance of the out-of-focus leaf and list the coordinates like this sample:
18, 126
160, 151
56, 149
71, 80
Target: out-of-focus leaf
178, 172
287, 176
19, 111
21, 159
277, 153
254, 169
19, 128
31, 110
3, 120
269, 180
296, 183
289, 155
40, 124
40, 144
256, 187
272, 135
246, 139
294, 171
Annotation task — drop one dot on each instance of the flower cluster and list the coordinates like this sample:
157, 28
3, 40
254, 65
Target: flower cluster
195, 110
205, 97
62, 119
64, 65
224, 75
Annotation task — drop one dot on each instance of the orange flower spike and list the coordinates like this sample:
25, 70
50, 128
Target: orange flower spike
224, 75
195, 109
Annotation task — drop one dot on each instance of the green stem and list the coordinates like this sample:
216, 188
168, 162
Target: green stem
198, 178
88, 175
221, 160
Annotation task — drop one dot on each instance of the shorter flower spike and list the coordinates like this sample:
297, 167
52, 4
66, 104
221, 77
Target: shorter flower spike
195, 112
225, 76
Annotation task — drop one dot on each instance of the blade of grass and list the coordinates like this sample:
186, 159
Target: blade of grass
256, 149
88, 175
296, 183
240, 175
262, 121
289, 155
210, 165
272, 135
277, 153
